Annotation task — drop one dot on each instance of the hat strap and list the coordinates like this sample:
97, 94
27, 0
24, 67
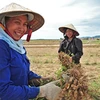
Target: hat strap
29, 34
2, 26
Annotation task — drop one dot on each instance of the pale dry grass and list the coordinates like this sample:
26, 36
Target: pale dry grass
91, 62
44, 61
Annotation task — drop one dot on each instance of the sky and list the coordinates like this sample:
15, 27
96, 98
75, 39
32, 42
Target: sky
83, 14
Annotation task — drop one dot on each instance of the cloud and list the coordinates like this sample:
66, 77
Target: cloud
83, 14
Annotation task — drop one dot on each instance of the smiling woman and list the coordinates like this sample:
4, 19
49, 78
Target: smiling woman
17, 81
16, 26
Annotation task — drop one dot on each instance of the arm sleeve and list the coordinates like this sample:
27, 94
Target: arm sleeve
79, 49
61, 47
33, 75
9, 91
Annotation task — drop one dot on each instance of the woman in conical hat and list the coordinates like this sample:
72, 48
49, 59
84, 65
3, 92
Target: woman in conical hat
15, 74
35, 20
71, 45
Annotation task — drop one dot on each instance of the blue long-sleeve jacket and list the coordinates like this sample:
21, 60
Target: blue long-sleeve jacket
14, 75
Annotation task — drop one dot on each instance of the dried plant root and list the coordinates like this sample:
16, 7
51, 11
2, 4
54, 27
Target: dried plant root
76, 88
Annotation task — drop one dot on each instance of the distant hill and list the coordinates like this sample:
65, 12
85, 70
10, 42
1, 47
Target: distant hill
96, 37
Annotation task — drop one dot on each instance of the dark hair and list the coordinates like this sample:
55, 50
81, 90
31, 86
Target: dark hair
65, 30
6, 19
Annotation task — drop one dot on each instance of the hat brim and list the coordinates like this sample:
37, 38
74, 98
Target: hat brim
62, 29
35, 20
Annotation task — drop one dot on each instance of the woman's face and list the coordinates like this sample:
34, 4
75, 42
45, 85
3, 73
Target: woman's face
17, 26
69, 33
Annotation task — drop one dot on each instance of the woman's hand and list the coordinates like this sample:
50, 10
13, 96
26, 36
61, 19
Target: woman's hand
50, 91
40, 81
70, 60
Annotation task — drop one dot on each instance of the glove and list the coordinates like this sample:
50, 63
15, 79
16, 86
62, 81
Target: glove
50, 91
70, 60
35, 82
40, 81
66, 77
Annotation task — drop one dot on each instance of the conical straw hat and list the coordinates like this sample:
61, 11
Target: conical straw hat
69, 26
14, 9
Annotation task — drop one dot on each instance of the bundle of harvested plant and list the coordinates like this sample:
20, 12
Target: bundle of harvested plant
64, 59
75, 82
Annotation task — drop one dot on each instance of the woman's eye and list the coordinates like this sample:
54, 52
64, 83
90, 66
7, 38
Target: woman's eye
17, 22
25, 24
